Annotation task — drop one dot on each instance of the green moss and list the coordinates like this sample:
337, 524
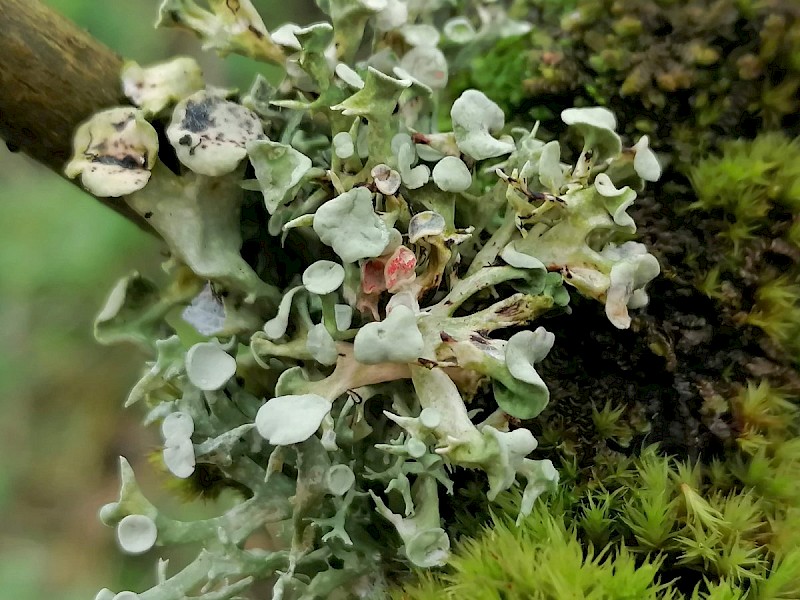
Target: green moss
542, 559
776, 310
750, 178
610, 424
762, 416
652, 526
499, 72
750, 197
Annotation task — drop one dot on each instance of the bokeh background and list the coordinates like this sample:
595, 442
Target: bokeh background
61, 394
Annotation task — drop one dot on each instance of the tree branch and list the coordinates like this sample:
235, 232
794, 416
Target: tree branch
53, 76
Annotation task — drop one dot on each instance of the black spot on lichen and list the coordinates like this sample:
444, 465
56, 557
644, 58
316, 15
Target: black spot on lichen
256, 32
121, 125
126, 162
199, 144
186, 140
148, 214
198, 115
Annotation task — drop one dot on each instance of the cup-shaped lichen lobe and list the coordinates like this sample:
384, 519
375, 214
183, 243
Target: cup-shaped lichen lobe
419, 260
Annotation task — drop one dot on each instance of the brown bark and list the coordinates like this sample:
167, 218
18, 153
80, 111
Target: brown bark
53, 76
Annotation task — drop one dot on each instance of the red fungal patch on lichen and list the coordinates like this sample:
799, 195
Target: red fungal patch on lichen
387, 272
420, 138
399, 268
372, 279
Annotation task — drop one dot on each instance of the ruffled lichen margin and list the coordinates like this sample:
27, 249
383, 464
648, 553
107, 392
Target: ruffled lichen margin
397, 344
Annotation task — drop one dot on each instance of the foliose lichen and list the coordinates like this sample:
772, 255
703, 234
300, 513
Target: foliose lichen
417, 256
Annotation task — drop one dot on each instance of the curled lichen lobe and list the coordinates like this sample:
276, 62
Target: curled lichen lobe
114, 152
210, 133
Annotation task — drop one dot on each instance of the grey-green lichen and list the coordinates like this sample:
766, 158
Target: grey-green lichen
417, 257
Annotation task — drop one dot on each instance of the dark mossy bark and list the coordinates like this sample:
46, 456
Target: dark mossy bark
683, 351
688, 73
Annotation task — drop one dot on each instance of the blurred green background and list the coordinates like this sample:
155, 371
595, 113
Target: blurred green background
61, 394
